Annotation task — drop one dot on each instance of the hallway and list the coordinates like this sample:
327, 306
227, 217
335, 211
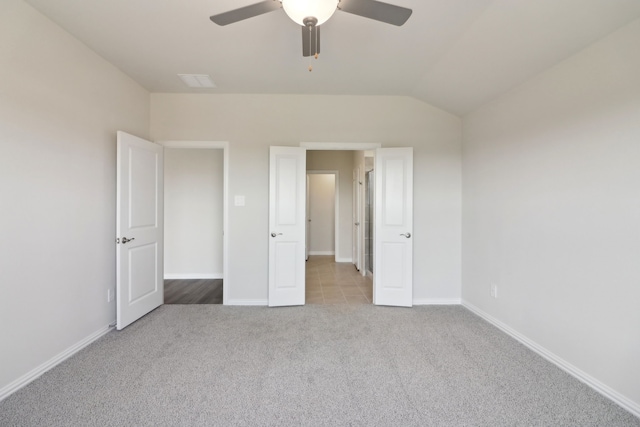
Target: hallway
328, 282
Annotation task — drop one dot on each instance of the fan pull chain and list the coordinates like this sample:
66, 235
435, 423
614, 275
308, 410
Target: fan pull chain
311, 48
311, 66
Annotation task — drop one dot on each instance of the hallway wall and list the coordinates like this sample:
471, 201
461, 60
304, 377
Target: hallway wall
322, 213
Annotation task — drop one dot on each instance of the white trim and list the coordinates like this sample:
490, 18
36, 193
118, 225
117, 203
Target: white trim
224, 145
16, 385
625, 402
194, 144
322, 253
260, 302
353, 146
363, 205
191, 276
350, 260
436, 301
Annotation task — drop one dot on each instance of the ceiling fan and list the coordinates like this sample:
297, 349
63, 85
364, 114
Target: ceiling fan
310, 14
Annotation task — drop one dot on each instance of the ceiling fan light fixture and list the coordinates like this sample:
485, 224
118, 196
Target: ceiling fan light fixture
298, 10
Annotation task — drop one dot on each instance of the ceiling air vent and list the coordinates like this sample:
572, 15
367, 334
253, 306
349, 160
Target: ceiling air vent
199, 81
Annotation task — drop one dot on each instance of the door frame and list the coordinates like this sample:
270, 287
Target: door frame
224, 146
363, 176
356, 211
336, 205
347, 146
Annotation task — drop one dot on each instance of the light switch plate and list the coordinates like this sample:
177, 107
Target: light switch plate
238, 200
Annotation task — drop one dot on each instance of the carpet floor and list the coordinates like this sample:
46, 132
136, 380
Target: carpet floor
333, 365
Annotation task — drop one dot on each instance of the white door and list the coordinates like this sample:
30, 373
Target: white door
139, 228
393, 251
307, 231
357, 225
287, 173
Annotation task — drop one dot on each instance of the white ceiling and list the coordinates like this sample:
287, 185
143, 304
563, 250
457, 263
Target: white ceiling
453, 54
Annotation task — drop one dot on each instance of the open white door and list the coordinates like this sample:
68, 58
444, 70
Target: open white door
139, 228
287, 219
355, 214
393, 253
307, 231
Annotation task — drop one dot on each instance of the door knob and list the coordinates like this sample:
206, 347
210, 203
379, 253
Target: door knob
357, 223
407, 235
274, 234
125, 240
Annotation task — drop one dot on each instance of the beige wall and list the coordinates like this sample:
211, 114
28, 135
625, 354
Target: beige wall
60, 108
193, 196
550, 194
551, 212
252, 123
341, 161
322, 214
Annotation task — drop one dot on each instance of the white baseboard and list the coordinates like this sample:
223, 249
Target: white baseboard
247, 302
16, 385
191, 276
322, 253
605, 390
344, 260
437, 301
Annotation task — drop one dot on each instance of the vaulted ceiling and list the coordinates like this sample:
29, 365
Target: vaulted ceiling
453, 54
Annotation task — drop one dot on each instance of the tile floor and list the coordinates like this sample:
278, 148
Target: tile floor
330, 282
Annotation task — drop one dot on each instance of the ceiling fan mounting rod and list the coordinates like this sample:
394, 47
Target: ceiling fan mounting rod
310, 21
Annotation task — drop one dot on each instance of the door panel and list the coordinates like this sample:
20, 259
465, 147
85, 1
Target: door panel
287, 219
139, 228
392, 272
393, 253
142, 283
307, 232
357, 223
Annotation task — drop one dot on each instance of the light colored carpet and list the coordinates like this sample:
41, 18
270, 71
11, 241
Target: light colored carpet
340, 365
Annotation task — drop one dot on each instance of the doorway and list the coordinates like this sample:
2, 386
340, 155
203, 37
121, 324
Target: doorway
334, 274
140, 223
195, 220
393, 252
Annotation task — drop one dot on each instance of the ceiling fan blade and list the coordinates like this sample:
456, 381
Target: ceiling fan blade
310, 40
246, 12
372, 9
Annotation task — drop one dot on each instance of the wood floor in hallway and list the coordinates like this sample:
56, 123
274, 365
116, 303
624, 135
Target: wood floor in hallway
193, 291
